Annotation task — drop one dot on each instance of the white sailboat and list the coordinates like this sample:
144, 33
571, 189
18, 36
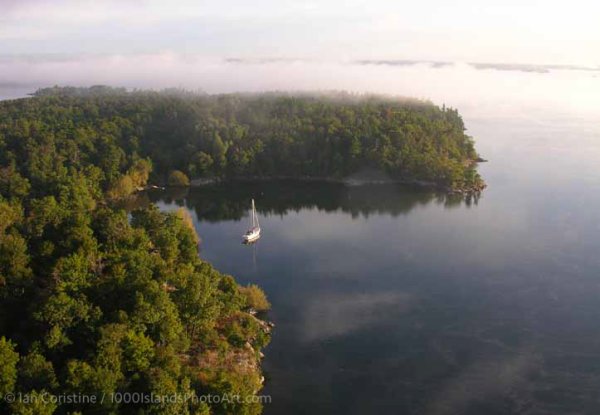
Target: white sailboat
253, 233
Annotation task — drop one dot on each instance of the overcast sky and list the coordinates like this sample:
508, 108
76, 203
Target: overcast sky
526, 31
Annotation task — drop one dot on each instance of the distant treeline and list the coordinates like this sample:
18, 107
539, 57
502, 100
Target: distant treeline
243, 135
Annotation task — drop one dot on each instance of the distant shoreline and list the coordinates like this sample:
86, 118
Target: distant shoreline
348, 181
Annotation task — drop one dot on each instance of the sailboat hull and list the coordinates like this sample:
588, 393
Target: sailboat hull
252, 235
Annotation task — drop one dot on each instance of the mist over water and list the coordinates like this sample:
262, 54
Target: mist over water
476, 90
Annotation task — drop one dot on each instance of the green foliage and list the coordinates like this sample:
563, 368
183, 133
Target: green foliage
201, 164
9, 215
255, 297
188, 222
134, 179
8, 366
125, 135
36, 373
121, 187
140, 172
36, 403
98, 301
178, 179
12, 184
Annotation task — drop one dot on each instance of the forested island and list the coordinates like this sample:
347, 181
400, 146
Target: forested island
190, 136
97, 300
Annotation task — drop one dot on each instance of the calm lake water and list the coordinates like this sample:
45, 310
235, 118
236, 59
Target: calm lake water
391, 300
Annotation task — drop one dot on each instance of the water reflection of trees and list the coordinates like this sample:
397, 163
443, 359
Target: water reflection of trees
230, 201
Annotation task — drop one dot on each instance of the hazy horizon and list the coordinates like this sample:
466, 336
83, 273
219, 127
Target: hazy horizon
473, 90
499, 55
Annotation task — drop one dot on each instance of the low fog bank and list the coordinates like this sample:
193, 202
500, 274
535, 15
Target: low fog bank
476, 91
335, 96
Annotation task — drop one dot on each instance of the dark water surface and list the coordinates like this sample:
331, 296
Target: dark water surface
393, 300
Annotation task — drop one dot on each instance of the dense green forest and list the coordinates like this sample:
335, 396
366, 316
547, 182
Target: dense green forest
96, 300
231, 136
99, 302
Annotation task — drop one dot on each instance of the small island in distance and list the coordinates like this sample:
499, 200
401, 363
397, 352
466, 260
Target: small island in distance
334, 136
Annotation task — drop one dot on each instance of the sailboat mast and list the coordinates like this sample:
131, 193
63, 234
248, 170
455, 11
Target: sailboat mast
253, 215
